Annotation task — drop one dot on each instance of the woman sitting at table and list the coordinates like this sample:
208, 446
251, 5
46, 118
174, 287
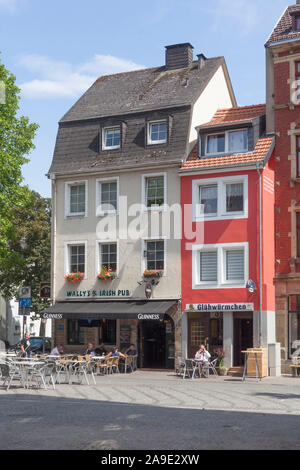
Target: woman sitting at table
115, 353
202, 355
90, 350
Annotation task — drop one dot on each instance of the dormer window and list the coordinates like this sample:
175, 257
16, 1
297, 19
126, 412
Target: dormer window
297, 23
227, 142
111, 138
157, 132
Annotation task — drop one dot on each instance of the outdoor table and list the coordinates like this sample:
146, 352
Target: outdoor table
66, 366
25, 367
257, 376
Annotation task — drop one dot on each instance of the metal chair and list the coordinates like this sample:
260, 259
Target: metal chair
190, 368
212, 366
128, 364
10, 373
181, 365
37, 374
115, 364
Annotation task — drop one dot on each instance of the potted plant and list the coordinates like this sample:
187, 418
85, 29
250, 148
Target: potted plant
152, 273
107, 274
74, 277
222, 369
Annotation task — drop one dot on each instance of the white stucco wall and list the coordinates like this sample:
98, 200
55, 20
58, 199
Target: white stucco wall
215, 96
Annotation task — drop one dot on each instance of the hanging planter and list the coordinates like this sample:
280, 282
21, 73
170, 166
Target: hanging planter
153, 273
107, 274
74, 277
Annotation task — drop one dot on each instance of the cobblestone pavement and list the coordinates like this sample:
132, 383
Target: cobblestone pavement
154, 410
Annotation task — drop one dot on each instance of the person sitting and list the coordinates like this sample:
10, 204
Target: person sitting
131, 351
115, 353
101, 351
90, 351
57, 351
202, 355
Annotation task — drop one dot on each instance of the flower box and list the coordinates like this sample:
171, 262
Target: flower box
107, 274
153, 273
74, 277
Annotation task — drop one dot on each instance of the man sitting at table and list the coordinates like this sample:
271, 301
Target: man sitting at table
58, 350
100, 351
90, 350
131, 351
202, 355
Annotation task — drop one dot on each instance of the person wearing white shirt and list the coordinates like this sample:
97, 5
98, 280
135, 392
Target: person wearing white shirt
57, 350
202, 355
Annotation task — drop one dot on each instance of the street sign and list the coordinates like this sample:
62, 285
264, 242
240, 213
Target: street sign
24, 302
25, 311
25, 292
45, 290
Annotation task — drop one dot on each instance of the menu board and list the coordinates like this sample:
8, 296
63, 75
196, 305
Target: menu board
125, 336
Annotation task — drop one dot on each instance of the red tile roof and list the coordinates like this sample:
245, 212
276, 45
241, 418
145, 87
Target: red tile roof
238, 114
284, 29
261, 149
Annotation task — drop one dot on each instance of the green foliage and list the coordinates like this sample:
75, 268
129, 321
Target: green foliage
28, 259
16, 141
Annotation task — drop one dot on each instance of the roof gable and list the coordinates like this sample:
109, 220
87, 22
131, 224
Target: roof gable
283, 30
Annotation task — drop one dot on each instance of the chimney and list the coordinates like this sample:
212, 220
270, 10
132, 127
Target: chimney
179, 56
201, 61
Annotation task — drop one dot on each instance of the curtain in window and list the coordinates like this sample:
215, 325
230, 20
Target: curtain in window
216, 143
209, 198
235, 197
237, 141
235, 265
209, 266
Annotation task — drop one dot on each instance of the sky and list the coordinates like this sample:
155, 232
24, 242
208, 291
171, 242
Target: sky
57, 48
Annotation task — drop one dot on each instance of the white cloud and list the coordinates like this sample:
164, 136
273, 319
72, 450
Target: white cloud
58, 79
10, 5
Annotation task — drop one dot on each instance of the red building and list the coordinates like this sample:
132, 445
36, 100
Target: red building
227, 188
283, 117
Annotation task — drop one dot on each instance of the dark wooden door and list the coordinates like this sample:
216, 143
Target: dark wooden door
243, 339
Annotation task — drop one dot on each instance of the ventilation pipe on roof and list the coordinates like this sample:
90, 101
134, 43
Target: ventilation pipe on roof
201, 61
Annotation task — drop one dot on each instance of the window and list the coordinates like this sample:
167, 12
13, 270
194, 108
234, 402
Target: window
235, 265
111, 138
155, 191
155, 255
76, 258
234, 197
76, 198
209, 266
75, 332
108, 256
297, 22
298, 155
109, 331
227, 142
220, 198
157, 132
209, 199
107, 196
220, 266
298, 80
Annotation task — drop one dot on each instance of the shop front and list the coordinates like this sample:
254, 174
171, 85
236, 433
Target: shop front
226, 328
149, 325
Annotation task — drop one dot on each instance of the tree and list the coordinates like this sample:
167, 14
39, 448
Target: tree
16, 141
28, 261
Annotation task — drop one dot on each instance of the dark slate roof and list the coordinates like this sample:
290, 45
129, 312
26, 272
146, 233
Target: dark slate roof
128, 99
154, 88
283, 31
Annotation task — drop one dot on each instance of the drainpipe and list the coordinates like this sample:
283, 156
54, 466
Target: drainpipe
258, 167
53, 250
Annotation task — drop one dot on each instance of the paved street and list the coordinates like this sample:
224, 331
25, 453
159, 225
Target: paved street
154, 410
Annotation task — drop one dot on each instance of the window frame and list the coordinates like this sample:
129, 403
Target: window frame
221, 282
99, 181
68, 185
104, 132
98, 263
297, 79
78, 333
222, 213
297, 21
67, 263
144, 249
163, 207
157, 142
227, 132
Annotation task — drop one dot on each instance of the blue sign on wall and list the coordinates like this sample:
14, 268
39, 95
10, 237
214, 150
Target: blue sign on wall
24, 302
61, 327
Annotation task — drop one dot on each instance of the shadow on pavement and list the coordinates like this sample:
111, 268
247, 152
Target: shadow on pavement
45, 422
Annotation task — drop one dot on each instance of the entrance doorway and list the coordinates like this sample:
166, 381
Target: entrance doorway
243, 338
157, 344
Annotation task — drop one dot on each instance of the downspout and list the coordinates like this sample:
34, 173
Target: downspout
258, 167
53, 251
